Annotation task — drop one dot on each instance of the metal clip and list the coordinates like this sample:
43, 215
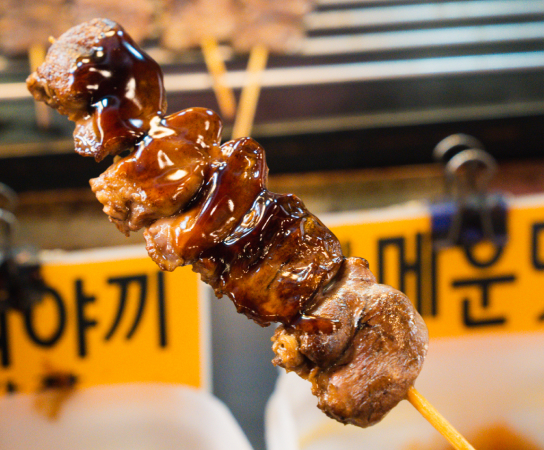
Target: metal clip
471, 214
8, 198
7, 265
21, 284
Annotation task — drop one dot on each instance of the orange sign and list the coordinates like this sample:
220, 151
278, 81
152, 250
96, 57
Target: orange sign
112, 316
481, 289
108, 316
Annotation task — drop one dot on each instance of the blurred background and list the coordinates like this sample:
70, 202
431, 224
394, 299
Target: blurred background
354, 97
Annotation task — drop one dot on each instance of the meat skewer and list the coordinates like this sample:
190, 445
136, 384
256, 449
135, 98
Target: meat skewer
27, 23
361, 344
278, 26
39, 20
437, 421
218, 71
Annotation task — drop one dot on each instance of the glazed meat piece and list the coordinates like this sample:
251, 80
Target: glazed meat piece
163, 174
97, 76
236, 175
241, 239
363, 368
274, 262
301, 348
360, 344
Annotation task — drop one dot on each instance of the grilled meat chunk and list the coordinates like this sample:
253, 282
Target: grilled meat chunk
163, 174
97, 76
362, 369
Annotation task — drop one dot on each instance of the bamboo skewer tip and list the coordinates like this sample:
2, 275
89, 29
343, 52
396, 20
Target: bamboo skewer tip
429, 412
36, 56
216, 67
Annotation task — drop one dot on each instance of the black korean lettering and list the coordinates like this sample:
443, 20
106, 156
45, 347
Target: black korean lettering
426, 302
30, 321
405, 267
83, 322
482, 263
538, 264
124, 282
484, 284
4, 340
11, 387
538, 228
162, 309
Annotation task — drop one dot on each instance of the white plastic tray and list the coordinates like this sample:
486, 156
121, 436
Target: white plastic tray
474, 382
122, 417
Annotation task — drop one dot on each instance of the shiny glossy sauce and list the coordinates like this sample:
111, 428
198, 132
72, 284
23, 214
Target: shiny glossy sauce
238, 176
314, 325
270, 266
123, 85
165, 172
265, 258
202, 203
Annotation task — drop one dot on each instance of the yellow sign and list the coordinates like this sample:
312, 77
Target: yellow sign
111, 316
479, 289
108, 316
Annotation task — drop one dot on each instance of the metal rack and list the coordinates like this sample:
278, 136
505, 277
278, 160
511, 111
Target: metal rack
364, 65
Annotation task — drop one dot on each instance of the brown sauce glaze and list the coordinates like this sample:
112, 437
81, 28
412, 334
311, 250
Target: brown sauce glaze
274, 262
166, 171
235, 176
124, 91
315, 325
361, 344
202, 203
240, 174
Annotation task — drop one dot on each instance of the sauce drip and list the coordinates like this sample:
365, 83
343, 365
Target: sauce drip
275, 261
124, 90
314, 325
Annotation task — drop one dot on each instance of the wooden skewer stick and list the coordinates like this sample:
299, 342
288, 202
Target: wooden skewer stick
216, 68
250, 92
36, 56
437, 421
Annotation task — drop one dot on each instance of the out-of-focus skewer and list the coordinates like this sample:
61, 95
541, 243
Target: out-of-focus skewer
216, 68
36, 56
186, 25
249, 98
430, 413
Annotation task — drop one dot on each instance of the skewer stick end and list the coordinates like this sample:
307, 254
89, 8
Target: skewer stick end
36, 56
429, 412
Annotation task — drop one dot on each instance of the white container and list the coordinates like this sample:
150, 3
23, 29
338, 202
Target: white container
474, 382
122, 417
